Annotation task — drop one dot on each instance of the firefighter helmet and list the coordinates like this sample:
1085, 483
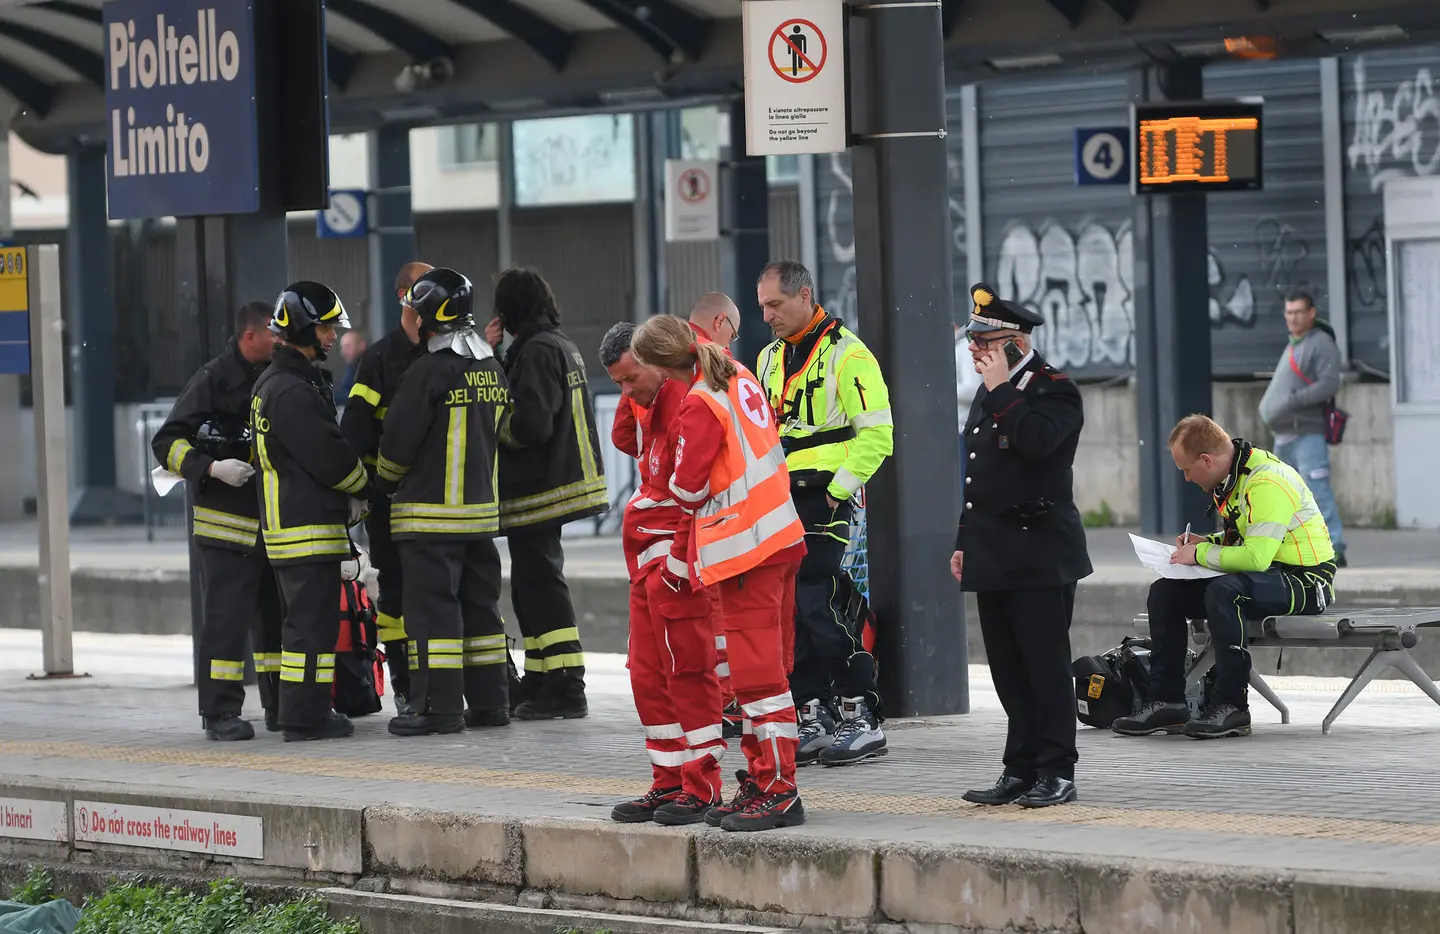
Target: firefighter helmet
443, 299
300, 308
224, 437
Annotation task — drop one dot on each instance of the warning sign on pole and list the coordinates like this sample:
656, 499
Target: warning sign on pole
794, 77
692, 203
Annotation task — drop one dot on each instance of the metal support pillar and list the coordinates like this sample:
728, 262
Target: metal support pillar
663, 143
1172, 324
647, 256
12, 456
1336, 244
505, 183
903, 270
92, 340
745, 224
392, 224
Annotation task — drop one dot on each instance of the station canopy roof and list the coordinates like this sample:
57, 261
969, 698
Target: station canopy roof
454, 61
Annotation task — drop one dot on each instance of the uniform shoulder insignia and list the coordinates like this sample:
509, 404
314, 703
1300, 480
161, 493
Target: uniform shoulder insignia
1054, 374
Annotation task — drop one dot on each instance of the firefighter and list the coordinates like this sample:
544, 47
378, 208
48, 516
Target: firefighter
551, 473
835, 425
672, 649
739, 530
437, 457
206, 440
379, 374
312, 487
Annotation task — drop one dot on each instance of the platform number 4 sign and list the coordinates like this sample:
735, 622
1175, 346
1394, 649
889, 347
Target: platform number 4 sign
1102, 156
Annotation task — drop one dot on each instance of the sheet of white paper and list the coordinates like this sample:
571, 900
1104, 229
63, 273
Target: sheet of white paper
1156, 556
164, 481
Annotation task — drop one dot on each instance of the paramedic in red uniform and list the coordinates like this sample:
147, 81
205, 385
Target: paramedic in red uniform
672, 653
739, 532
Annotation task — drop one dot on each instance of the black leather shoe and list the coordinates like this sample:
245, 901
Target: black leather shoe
1050, 790
424, 724
1007, 789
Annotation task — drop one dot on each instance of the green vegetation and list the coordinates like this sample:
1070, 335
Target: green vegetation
1102, 518
37, 889
1385, 518
560, 930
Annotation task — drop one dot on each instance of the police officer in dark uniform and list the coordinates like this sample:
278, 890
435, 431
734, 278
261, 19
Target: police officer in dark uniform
376, 379
206, 440
1021, 547
437, 456
551, 473
312, 488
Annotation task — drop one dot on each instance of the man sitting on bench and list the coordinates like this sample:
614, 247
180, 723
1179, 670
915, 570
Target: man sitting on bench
1278, 560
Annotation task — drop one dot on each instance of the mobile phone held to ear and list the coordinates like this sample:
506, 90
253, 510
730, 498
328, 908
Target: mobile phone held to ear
1013, 354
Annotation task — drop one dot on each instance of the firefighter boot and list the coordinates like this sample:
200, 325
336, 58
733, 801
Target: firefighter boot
336, 726
476, 719
397, 660
228, 727
561, 697
424, 724
817, 731
858, 736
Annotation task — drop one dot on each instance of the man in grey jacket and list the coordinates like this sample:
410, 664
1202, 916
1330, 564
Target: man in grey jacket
1307, 376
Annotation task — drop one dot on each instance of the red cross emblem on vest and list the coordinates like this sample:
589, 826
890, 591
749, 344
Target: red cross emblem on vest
754, 404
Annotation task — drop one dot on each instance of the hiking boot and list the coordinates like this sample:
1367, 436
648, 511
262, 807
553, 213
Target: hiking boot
1154, 717
767, 812
732, 721
686, 809
643, 808
336, 726
483, 718
562, 697
817, 730
1219, 720
857, 738
426, 724
747, 792
228, 727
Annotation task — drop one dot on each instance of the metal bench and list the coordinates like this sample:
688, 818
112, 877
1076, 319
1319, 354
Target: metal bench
1388, 632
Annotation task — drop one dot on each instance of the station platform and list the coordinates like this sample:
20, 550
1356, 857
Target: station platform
124, 584
1284, 831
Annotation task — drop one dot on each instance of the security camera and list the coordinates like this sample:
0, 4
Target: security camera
422, 75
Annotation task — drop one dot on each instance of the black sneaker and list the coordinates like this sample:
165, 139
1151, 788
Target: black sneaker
228, 728
426, 724
748, 792
767, 812
686, 809
1154, 717
1219, 720
483, 718
336, 726
643, 808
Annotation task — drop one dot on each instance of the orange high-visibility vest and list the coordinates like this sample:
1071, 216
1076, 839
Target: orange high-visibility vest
749, 516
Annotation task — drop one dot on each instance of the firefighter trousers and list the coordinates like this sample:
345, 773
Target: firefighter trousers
542, 602
677, 694
457, 638
390, 604
311, 592
241, 605
755, 639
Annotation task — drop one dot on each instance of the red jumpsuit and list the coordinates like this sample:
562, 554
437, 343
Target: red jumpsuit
758, 635
672, 647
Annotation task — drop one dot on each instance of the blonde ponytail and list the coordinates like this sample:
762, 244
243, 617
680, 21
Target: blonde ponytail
667, 342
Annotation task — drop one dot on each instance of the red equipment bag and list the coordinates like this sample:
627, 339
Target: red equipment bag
359, 663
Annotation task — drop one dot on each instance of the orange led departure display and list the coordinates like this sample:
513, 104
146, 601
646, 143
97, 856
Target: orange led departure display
1206, 146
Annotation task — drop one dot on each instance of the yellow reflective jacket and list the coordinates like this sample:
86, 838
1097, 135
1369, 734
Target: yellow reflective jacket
1270, 518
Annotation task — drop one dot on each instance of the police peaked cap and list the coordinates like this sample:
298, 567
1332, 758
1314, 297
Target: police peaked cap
305, 304
992, 313
443, 299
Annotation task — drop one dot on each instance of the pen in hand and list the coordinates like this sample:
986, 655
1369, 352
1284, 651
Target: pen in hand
1185, 539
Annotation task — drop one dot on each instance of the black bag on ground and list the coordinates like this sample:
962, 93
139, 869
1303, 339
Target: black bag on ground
359, 664
1117, 684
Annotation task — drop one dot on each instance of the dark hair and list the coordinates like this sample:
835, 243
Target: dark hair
523, 297
793, 277
1298, 296
615, 343
253, 316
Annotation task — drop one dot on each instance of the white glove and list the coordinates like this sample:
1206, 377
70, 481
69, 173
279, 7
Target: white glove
232, 471
358, 509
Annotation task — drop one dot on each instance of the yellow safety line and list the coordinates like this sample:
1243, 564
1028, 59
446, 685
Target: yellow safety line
1309, 827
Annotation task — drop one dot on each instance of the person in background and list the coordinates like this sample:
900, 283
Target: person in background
1293, 407
352, 348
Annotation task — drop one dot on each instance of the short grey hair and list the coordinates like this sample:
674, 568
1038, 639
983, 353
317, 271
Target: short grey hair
615, 343
793, 277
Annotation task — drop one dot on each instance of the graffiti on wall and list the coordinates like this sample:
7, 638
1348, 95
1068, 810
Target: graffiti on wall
1396, 134
1083, 282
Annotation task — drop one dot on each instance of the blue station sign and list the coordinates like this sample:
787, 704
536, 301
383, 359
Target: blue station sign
180, 97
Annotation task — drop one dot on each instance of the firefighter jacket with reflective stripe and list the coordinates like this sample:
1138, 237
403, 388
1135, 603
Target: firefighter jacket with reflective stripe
833, 406
225, 516
551, 471
1270, 518
730, 470
376, 379
652, 516
307, 468
439, 448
